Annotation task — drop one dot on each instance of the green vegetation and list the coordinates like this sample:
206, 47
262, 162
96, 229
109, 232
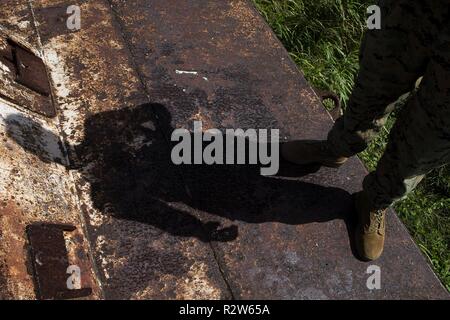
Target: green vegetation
323, 38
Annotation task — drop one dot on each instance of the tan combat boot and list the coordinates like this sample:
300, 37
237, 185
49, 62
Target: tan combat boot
371, 228
311, 151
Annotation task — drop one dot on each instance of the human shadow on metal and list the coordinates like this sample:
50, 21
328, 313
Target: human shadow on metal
126, 158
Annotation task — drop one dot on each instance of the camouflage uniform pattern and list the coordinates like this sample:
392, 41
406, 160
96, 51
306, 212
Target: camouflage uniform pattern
414, 41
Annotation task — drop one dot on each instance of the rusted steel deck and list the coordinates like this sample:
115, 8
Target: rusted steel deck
145, 228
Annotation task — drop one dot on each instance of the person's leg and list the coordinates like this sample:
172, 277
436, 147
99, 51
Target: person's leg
420, 139
419, 142
391, 60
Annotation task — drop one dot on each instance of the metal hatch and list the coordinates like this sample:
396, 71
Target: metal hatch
24, 78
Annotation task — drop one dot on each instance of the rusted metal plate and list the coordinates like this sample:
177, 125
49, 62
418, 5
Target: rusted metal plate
217, 61
156, 230
51, 262
34, 184
121, 165
34, 187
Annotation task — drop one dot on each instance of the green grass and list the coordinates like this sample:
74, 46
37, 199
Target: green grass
323, 38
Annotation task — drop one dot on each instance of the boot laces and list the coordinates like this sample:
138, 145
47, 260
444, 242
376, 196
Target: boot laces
378, 216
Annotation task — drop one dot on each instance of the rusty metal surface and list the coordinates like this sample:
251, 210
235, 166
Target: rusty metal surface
51, 261
17, 18
156, 230
34, 183
289, 237
119, 168
34, 187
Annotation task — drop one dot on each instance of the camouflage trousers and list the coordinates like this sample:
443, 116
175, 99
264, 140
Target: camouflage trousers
414, 41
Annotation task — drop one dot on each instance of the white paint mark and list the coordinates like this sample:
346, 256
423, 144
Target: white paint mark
195, 73
186, 72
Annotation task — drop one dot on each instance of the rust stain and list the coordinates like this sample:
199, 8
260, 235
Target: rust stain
16, 17
16, 266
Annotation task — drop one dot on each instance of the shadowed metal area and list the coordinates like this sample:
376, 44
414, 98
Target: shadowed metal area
148, 229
